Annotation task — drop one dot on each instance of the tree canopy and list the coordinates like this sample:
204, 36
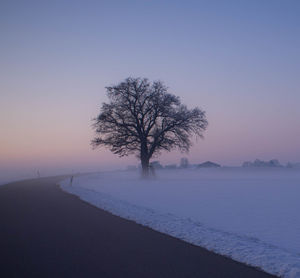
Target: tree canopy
143, 118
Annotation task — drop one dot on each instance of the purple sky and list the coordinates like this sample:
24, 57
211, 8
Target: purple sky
237, 60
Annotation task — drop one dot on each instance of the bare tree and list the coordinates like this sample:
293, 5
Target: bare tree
143, 118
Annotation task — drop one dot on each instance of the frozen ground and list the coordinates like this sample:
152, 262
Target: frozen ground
249, 215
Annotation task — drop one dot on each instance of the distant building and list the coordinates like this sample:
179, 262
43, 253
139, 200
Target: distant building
208, 164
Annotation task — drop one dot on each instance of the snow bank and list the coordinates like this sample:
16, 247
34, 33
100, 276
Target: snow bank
250, 216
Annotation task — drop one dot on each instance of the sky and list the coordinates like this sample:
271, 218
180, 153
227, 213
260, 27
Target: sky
237, 60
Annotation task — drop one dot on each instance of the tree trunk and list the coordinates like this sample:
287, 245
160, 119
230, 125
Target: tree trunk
145, 159
145, 167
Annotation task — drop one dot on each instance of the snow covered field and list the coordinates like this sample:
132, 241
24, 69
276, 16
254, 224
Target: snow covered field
249, 215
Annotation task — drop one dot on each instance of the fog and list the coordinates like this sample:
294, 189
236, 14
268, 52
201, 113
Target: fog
16, 172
